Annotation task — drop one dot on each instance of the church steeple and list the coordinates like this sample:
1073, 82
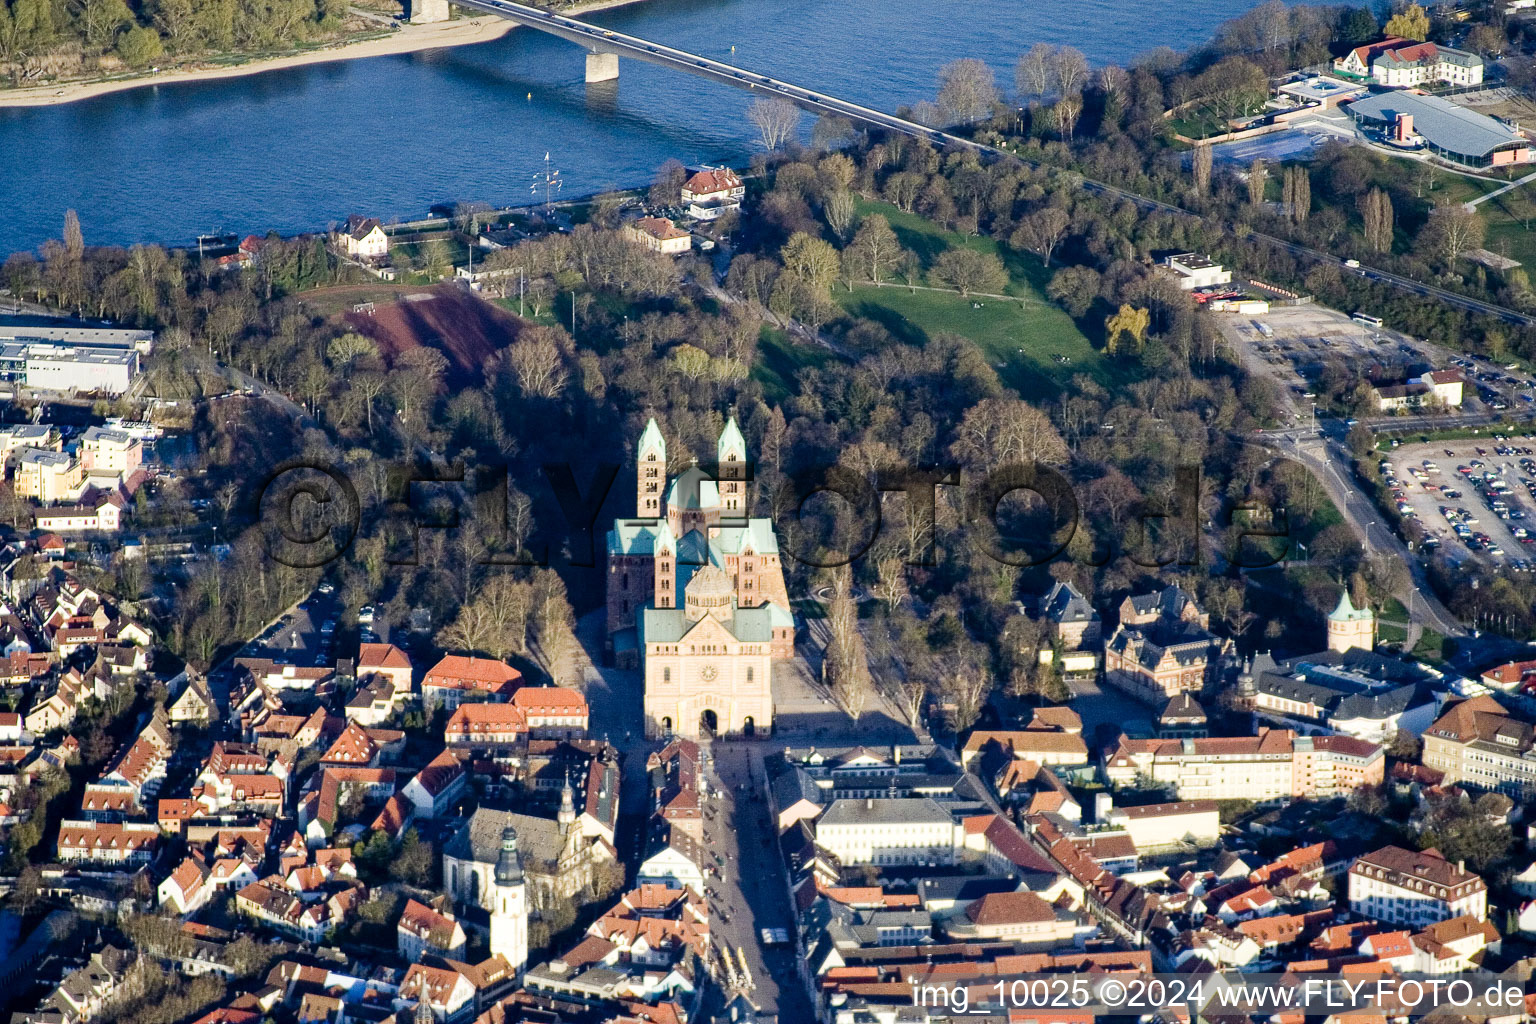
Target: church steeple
424, 1009
731, 469
509, 869
651, 471
567, 814
509, 907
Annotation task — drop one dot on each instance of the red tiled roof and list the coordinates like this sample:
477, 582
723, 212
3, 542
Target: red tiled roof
713, 179
1004, 908
659, 227
461, 672
374, 656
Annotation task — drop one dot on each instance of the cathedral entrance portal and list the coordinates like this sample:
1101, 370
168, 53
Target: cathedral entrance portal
709, 723
748, 727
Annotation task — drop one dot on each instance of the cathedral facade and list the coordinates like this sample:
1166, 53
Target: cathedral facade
696, 595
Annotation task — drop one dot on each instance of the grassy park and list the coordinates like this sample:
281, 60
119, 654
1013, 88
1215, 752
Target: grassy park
1034, 345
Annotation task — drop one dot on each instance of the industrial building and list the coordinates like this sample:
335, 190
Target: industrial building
71, 357
1410, 120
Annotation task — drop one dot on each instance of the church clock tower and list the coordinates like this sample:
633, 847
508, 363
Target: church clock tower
509, 912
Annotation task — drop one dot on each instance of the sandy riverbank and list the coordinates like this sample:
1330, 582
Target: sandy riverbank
407, 39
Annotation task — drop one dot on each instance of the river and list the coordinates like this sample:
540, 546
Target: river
298, 149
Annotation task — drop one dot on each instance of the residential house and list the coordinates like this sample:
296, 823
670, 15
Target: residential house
712, 192
435, 789
110, 843
363, 238
423, 930
659, 235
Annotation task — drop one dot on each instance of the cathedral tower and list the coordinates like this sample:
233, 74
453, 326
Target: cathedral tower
509, 912
731, 470
650, 471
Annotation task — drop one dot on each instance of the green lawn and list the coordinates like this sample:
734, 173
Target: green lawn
1034, 345
779, 359
1431, 646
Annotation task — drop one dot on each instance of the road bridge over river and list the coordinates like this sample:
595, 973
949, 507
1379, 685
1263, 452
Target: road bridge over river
606, 46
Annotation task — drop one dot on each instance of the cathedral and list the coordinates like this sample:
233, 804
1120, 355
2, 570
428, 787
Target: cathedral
696, 595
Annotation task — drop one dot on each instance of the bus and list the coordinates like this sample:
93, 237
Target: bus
1366, 318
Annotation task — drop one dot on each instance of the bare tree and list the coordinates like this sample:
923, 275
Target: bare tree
838, 210
1041, 231
1032, 75
967, 90
74, 241
875, 246
1113, 79
1070, 69
1297, 194
1066, 113
1451, 230
1376, 213
845, 666
537, 360
776, 121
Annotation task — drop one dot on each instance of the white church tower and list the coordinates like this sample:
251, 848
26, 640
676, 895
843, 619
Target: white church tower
509, 911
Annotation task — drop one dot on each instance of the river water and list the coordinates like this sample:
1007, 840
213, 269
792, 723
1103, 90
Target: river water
300, 148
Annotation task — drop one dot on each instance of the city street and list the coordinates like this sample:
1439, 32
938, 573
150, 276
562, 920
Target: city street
752, 888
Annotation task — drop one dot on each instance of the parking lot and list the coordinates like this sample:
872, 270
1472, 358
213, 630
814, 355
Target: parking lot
1294, 343
1475, 498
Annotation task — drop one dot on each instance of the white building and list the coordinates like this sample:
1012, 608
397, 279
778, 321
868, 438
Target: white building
1161, 826
52, 366
363, 238
1194, 271
1446, 386
1401, 886
905, 830
712, 193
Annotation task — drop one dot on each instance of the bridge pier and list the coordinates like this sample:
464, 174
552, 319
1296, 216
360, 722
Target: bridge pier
423, 11
602, 67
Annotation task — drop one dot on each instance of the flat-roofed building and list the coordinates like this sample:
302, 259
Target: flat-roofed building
1164, 826
50, 366
48, 476
1193, 271
110, 451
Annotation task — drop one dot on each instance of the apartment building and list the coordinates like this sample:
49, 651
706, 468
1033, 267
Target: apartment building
1476, 742
48, 476
1274, 765
1405, 887
110, 451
